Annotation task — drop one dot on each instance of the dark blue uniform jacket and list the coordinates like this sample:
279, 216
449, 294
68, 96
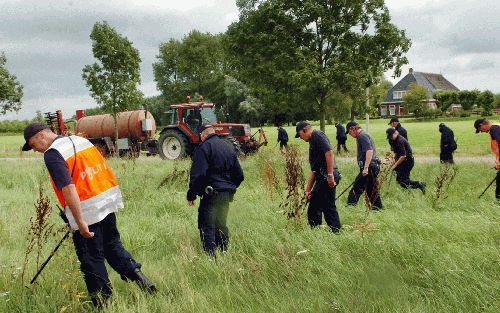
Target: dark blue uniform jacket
215, 164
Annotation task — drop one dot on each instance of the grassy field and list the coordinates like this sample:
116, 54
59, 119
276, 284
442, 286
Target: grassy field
424, 138
410, 257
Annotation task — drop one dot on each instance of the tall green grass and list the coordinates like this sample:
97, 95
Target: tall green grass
414, 258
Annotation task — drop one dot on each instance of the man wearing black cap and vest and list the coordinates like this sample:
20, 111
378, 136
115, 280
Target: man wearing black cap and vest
90, 195
404, 160
324, 177
369, 166
394, 122
214, 177
484, 126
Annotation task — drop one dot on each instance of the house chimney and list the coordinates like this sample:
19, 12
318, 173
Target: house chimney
411, 70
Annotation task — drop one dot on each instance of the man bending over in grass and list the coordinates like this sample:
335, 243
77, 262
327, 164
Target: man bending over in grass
404, 160
89, 193
484, 126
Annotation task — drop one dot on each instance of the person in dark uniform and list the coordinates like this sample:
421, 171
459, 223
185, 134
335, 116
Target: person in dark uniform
404, 160
341, 137
215, 175
484, 126
369, 167
448, 144
394, 123
324, 177
282, 137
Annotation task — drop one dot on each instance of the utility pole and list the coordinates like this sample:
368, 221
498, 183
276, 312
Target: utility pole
367, 116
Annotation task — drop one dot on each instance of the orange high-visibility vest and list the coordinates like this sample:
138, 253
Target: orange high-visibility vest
94, 180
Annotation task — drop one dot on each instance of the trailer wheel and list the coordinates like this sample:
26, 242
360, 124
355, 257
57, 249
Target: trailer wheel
172, 145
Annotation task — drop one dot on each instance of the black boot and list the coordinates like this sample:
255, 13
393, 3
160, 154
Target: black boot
143, 282
422, 187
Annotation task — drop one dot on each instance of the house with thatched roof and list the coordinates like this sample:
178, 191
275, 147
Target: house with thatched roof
393, 103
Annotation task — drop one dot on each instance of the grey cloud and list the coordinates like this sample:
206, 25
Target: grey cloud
47, 42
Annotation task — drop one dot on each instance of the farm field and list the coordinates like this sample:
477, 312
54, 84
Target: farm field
410, 257
424, 138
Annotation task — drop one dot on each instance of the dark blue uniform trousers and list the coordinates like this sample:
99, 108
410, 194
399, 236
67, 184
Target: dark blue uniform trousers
322, 202
105, 245
366, 184
212, 219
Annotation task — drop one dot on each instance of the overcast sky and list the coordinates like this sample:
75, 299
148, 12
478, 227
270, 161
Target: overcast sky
47, 42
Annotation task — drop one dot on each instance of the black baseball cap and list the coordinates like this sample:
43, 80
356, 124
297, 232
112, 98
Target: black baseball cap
478, 123
390, 132
349, 125
202, 127
300, 126
30, 131
394, 119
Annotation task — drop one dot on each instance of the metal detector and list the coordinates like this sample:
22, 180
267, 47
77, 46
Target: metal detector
491, 183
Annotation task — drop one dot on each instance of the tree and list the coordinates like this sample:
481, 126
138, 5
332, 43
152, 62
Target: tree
486, 100
468, 98
446, 98
378, 91
113, 81
414, 100
193, 65
308, 49
11, 90
497, 100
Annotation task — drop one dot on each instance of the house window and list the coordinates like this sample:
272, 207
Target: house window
397, 95
392, 109
383, 110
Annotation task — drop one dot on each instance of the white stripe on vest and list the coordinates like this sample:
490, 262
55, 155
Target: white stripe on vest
97, 208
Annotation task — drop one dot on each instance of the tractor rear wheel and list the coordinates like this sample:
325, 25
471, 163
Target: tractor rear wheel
173, 145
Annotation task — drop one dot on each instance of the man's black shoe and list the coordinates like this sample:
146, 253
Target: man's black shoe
144, 282
422, 187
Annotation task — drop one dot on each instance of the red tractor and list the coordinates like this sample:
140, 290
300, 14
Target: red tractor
181, 137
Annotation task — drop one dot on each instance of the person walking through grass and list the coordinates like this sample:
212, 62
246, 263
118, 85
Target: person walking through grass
324, 177
369, 168
341, 137
448, 144
90, 195
214, 176
394, 123
484, 126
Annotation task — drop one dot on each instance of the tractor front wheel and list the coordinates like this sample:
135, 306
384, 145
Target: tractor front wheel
173, 145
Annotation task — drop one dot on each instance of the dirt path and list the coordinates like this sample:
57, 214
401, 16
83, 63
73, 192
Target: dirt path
435, 159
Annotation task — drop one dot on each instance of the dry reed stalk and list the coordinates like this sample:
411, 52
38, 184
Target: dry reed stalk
176, 176
40, 229
385, 169
443, 182
270, 178
294, 201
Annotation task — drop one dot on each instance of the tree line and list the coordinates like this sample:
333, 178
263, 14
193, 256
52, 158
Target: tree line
415, 101
282, 61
